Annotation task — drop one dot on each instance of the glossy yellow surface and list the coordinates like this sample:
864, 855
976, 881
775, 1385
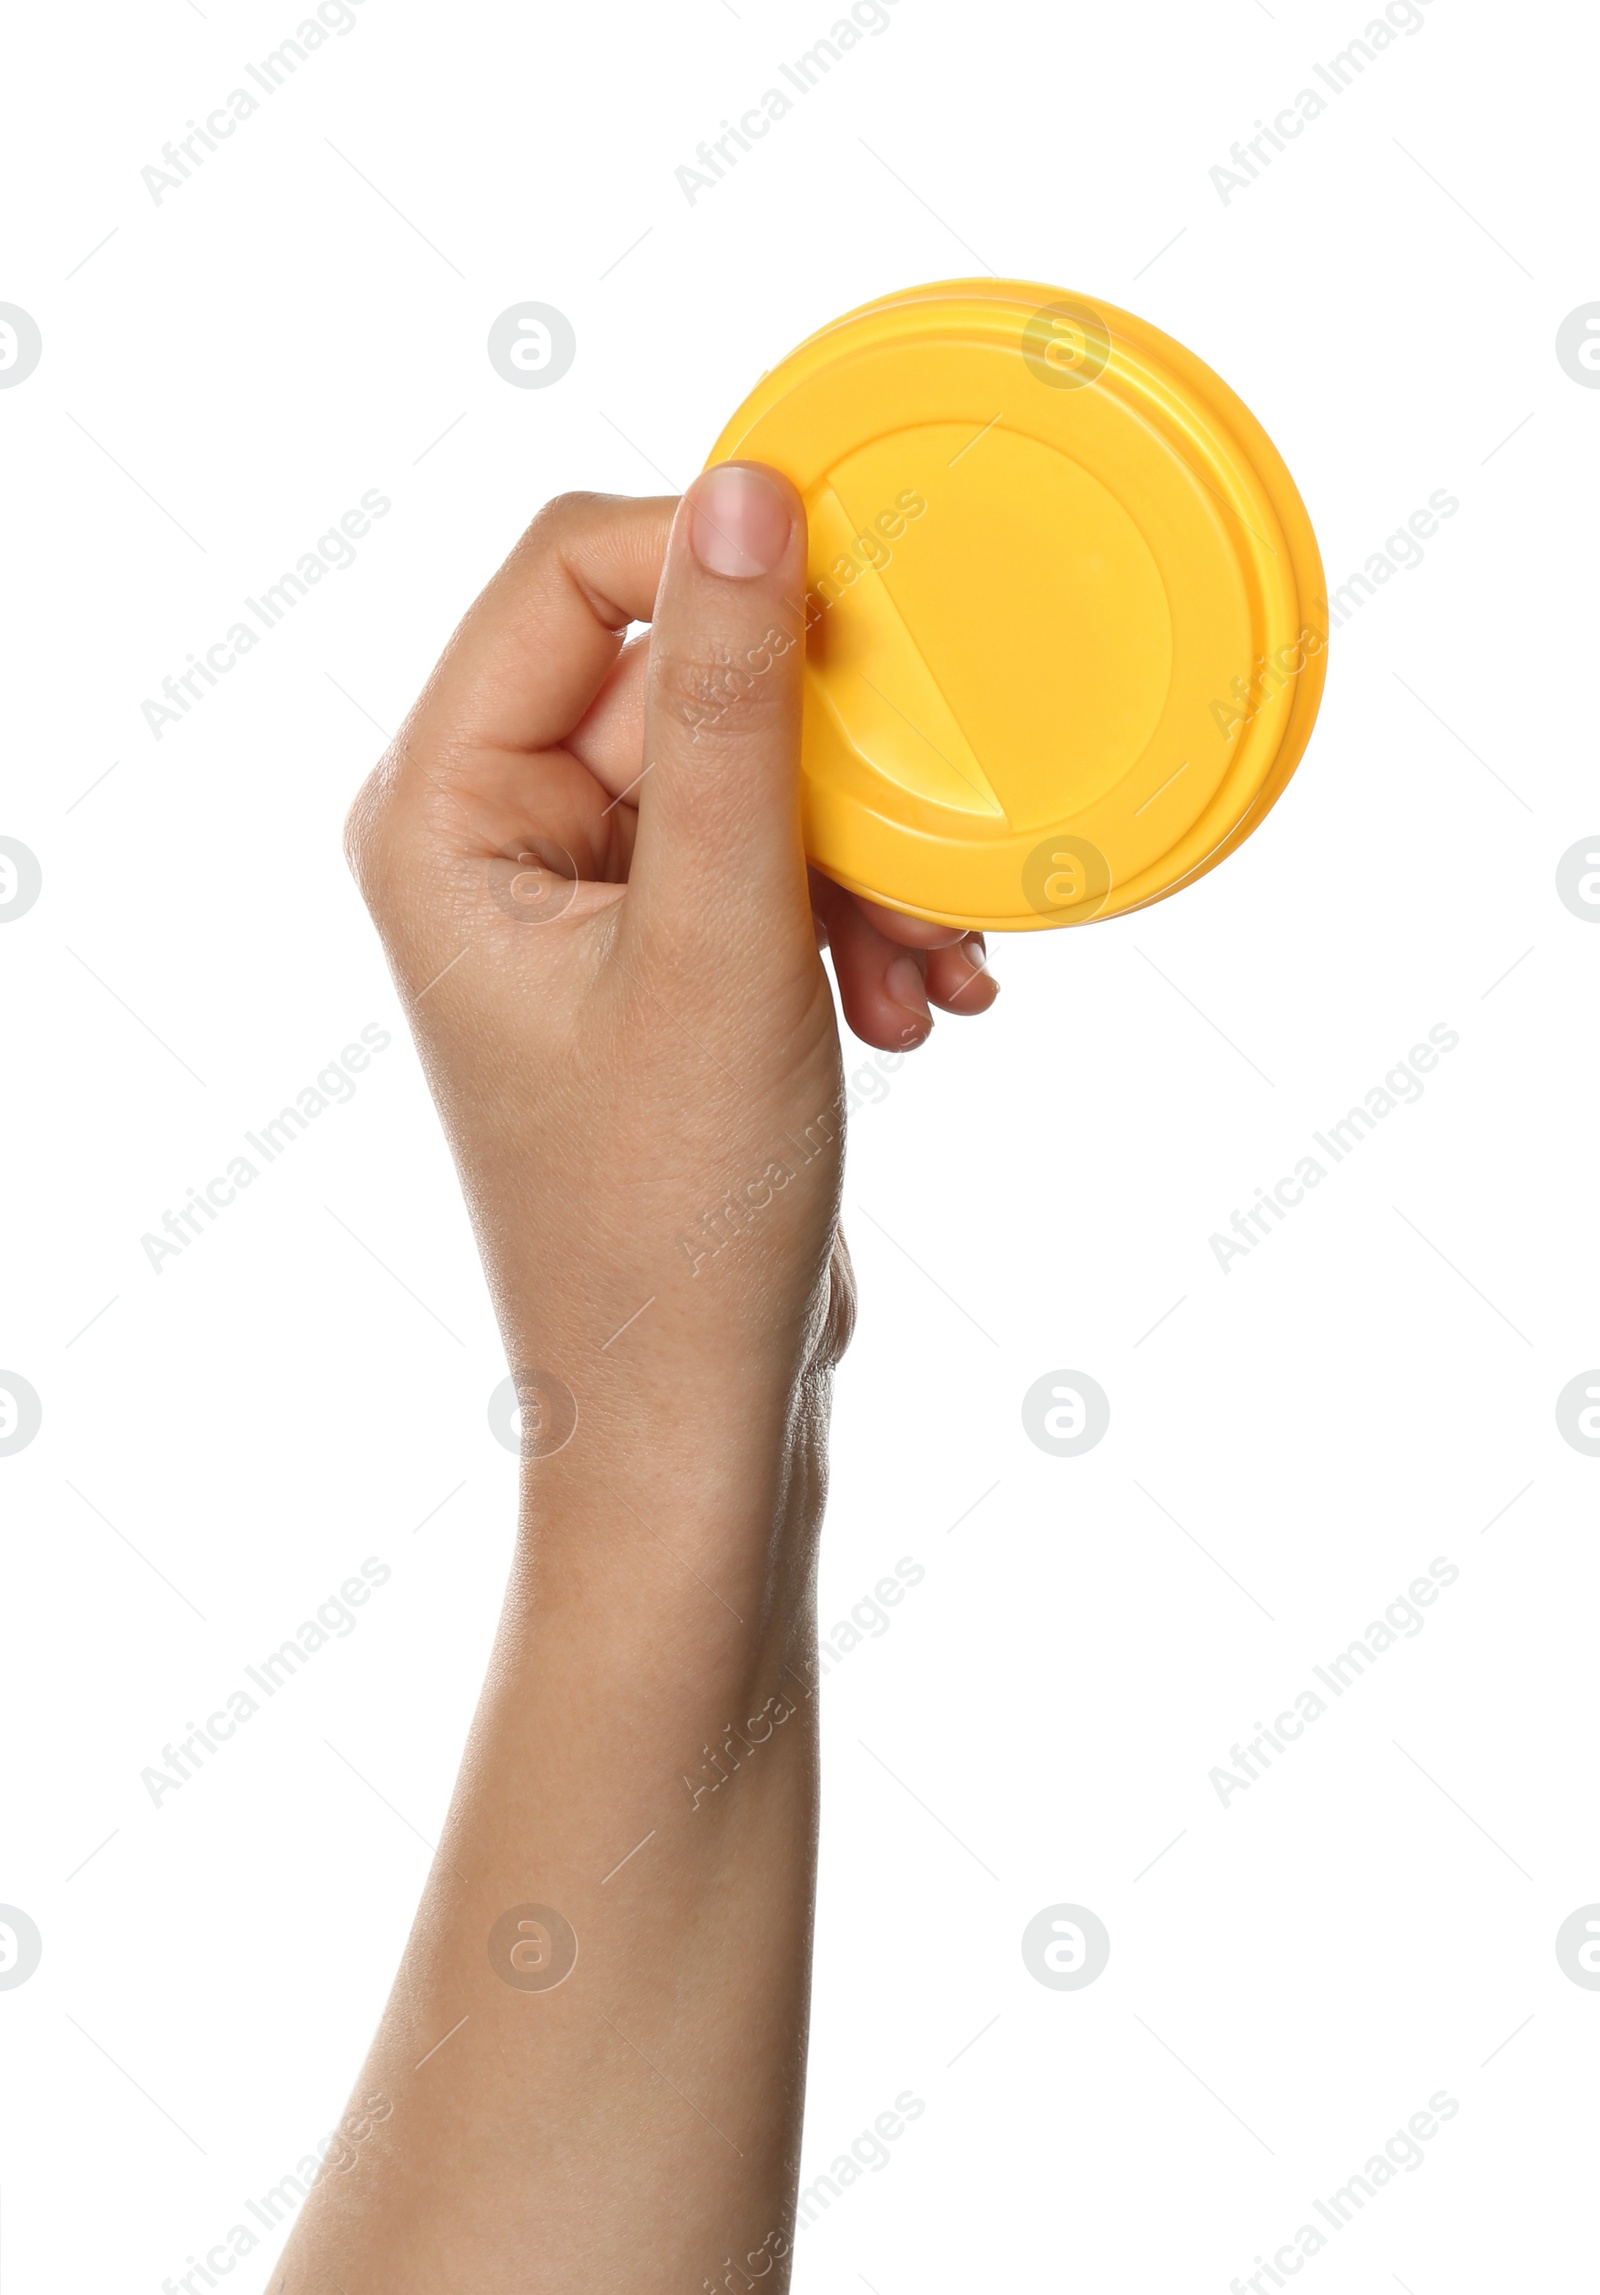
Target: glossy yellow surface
1066, 613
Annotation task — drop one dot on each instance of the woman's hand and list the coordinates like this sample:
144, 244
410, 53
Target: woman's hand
584, 857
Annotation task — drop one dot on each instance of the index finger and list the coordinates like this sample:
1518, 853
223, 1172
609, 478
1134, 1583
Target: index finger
532, 651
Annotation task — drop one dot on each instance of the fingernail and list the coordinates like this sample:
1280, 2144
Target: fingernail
976, 953
740, 523
903, 981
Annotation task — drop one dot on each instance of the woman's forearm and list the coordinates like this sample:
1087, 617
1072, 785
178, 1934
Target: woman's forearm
595, 2046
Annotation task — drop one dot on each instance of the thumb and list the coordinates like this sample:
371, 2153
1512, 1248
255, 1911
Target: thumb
719, 841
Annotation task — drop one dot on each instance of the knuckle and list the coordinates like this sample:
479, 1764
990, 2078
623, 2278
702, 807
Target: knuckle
576, 507
367, 826
715, 690
357, 834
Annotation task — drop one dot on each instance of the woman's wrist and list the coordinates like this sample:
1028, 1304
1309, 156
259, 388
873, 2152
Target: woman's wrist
691, 1514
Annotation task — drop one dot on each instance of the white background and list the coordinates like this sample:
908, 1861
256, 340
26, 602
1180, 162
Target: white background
223, 1442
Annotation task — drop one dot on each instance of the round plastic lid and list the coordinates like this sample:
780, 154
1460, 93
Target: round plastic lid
1066, 627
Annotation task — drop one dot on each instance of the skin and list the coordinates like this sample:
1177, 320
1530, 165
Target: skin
622, 1035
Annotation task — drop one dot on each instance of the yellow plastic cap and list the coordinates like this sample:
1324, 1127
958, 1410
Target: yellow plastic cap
1066, 621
